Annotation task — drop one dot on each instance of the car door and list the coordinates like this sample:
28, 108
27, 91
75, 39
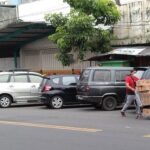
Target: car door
120, 83
20, 87
69, 88
34, 81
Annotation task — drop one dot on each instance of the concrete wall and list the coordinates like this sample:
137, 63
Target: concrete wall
8, 63
134, 26
8, 15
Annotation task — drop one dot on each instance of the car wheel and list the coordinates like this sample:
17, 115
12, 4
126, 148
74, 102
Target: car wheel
109, 103
57, 102
5, 101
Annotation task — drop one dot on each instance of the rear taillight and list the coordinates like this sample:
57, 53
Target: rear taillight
87, 88
46, 88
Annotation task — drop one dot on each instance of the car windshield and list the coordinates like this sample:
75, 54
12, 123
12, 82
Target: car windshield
85, 75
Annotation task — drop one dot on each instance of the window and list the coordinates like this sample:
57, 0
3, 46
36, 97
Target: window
68, 80
35, 79
121, 74
146, 74
4, 78
55, 80
85, 76
19, 78
102, 76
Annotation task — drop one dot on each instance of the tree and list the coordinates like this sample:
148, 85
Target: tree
81, 30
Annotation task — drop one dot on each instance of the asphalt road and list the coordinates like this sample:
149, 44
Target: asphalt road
71, 128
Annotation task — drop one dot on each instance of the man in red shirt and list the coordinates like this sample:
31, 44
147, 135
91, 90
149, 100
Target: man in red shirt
131, 94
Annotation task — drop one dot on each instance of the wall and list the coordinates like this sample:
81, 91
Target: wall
5, 17
36, 11
134, 26
7, 63
41, 56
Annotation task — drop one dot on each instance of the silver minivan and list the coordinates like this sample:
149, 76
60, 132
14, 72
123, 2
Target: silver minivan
19, 86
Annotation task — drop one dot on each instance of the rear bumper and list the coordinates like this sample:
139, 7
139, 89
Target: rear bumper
44, 99
90, 99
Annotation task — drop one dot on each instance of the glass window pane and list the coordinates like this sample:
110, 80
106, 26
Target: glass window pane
121, 74
85, 76
102, 76
35, 79
55, 80
68, 80
21, 78
4, 78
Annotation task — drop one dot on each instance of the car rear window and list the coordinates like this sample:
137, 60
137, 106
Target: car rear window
102, 76
35, 79
56, 80
85, 75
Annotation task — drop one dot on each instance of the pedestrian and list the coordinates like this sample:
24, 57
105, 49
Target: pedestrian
132, 94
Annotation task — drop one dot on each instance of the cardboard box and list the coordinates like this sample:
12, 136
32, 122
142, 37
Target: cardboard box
145, 98
146, 112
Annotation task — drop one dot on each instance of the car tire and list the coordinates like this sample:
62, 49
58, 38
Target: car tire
56, 102
109, 103
5, 101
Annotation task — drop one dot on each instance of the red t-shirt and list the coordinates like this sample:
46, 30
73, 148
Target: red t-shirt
132, 82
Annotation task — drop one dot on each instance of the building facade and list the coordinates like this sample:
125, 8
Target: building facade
134, 25
15, 2
40, 56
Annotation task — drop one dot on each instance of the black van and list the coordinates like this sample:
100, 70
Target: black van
103, 86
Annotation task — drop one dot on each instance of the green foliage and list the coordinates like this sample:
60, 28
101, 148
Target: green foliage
104, 11
79, 31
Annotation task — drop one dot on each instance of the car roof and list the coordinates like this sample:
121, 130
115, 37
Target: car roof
64, 75
110, 68
20, 72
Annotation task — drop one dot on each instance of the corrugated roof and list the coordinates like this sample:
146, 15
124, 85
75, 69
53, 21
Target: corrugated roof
15, 35
123, 53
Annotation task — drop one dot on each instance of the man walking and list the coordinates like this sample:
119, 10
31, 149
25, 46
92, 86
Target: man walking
131, 94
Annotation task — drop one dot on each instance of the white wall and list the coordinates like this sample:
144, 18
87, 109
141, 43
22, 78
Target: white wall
36, 11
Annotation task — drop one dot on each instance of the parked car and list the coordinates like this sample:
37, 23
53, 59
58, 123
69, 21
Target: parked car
19, 86
59, 90
103, 86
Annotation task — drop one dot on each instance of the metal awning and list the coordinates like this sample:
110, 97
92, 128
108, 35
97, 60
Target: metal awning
123, 53
15, 35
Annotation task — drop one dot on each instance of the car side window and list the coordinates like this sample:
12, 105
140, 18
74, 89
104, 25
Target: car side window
4, 78
35, 79
19, 78
121, 74
56, 80
102, 76
68, 80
